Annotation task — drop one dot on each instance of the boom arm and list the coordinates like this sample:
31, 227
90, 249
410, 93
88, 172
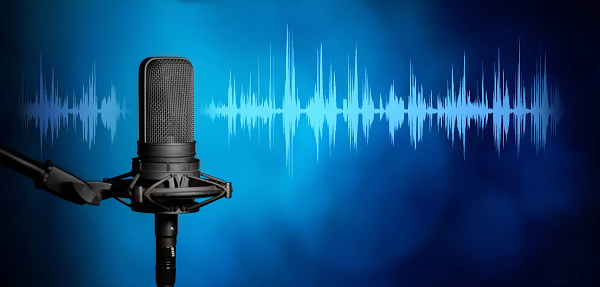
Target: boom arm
50, 178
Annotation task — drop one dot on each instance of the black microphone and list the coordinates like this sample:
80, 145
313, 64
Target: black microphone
167, 172
166, 147
165, 178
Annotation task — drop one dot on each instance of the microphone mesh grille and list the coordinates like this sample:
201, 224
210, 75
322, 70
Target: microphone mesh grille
169, 101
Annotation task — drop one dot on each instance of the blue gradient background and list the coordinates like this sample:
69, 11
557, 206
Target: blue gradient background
382, 215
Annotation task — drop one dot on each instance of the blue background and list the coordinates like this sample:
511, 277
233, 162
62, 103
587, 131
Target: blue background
380, 215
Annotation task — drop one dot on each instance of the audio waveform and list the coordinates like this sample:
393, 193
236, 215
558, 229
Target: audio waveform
454, 113
50, 112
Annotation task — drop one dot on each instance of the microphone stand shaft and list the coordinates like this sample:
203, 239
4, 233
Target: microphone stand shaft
166, 238
21, 163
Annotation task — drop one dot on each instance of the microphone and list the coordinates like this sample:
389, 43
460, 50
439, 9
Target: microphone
165, 177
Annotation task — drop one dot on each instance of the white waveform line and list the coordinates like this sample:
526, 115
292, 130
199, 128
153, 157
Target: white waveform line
49, 112
455, 112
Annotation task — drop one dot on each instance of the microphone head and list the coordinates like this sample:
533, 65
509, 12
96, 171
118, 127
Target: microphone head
166, 101
166, 145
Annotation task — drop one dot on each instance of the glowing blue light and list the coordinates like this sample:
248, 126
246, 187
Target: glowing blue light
51, 112
454, 112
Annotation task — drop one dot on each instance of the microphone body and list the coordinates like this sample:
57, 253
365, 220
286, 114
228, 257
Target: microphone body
167, 175
166, 146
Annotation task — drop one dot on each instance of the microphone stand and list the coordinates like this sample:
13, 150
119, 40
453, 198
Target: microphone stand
50, 178
165, 202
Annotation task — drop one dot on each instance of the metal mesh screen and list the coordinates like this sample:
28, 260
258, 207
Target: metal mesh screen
169, 101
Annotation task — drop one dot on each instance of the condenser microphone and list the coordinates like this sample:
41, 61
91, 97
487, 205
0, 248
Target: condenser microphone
167, 174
